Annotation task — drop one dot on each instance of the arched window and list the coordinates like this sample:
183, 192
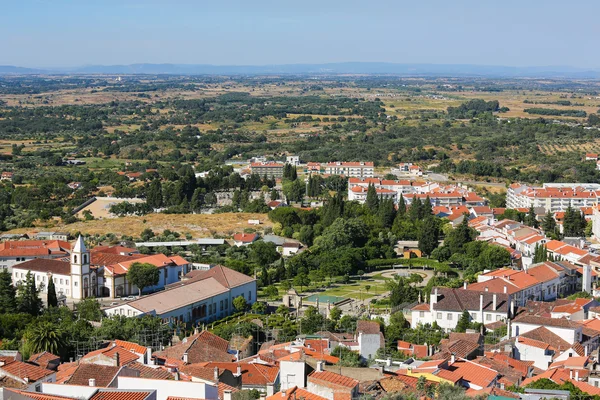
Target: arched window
75, 259
85, 259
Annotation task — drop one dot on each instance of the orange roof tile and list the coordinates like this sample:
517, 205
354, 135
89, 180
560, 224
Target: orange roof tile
332, 378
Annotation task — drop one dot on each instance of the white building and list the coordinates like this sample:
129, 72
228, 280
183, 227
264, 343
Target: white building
447, 305
206, 296
18, 251
360, 169
293, 160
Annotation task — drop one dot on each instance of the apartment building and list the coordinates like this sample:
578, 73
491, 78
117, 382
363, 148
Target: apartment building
358, 169
269, 169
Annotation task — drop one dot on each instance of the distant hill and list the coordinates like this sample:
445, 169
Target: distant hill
330, 68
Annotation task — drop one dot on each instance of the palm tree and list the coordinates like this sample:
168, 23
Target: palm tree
46, 336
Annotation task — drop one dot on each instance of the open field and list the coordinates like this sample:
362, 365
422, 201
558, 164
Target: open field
198, 225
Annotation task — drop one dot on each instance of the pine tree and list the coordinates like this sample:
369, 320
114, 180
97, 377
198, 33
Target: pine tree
52, 299
429, 236
372, 201
154, 197
427, 210
386, 212
197, 200
530, 218
28, 298
549, 224
415, 212
8, 293
464, 322
401, 206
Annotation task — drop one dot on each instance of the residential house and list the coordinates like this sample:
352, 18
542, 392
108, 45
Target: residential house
244, 239
332, 386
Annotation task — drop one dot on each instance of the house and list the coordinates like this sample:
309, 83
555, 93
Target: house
15, 252
24, 375
290, 248
244, 239
413, 350
60, 236
254, 376
45, 360
207, 296
369, 338
293, 160
591, 157
446, 306
198, 348
119, 352
332, 386
6, 176
294, 393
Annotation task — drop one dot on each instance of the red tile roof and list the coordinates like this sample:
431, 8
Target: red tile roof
103, 374
252, 374
245, 237
295, 393
119, 395
472, 372
24, 370
33, 248
43, 359
332, 378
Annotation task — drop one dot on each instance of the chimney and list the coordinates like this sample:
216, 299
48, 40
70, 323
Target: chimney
494, 302
117, 359
92, 382
149, 356
512, 308
508, 327
486, 288
185, 357
270, 389
505, 289
239, 371
464, 284
283, 393
585, 350
320, 366
570, 374
26, 379
227, 395
177, 377
576, 375
452, 359
216, 374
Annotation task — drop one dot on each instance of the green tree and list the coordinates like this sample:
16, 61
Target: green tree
89, 309
549, 224
143, 275
386, 213
335, 313
51, 298
239, 303
28, 298
263, 253
401, 206
271, 292
8, 293
372, 201
531, 218
45, 336
429, 235
464, 322
259, 307
301, 280
460, 236
154, 195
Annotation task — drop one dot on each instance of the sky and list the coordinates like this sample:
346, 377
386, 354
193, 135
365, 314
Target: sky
62, 33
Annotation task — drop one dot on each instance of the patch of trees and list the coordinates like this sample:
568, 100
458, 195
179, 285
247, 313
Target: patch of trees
473, 108
555, 111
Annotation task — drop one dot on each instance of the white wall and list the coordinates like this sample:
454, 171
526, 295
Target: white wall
530, 353
165, 388
571, 335
369, 344
61, 282
76, 391
292, 373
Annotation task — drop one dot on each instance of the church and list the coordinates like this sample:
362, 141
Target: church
73, 279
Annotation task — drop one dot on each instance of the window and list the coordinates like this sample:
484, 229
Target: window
449, 316
61, 281
439, 315
67, 281
498, 317
226, 304
74, 259
421, 314
75, 284
488, 317
249, 295
221, 305
37, 277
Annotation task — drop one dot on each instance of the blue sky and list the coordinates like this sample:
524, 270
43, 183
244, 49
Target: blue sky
54, 33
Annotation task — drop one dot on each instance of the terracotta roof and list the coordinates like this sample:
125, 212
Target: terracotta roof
33, 248
225, 276
472, 372
120, 395
103, 374
460, 299
65, 371
202, 347
125, 356
245, 237
200, 371
133, 347
252, 374
332, 378
222, 387
43, 359
24, 370
295, 393
368, 327
57, 267
33, 395
543, 321
150, 372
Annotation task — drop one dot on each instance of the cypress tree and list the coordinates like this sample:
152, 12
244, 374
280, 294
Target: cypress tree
7, 293
549, 223
372, 201
154, 197
52, 299
427, 210
28, 299
401, 206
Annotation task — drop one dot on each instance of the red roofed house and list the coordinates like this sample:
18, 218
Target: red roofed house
15, 252
332, 386
24, 375
244, 239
